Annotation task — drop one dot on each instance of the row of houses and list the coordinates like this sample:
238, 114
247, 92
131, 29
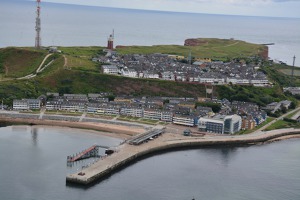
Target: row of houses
211, 78
165, 67
177, 110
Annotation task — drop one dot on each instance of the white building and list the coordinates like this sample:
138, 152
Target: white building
53, 105
152, 114
167, 116
237, 81
212, 80
132, 111
221, 124
26, 104
110, 69
20, 104
73, 106
108, 110
184, 120
129, 73
259, 82
151, 75
168, 76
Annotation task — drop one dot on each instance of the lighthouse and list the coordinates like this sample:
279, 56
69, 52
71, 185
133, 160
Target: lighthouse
110, 42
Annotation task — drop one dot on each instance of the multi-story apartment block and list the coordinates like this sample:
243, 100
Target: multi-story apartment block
186, 120
26, 104
221, 124
152, 113
132, 111
53, 105
110, 69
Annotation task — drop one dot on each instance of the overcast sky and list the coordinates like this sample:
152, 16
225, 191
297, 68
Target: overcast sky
277, 8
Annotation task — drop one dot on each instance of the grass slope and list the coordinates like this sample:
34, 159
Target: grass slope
18, 62
76, 81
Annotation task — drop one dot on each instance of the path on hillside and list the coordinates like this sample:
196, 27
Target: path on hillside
227, 45
66, 61
29, 76
39, 69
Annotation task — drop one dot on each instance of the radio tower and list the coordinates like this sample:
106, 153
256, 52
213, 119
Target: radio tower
38, 25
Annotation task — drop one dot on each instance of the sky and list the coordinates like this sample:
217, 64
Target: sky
273, 8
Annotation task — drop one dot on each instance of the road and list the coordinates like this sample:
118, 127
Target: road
275, 120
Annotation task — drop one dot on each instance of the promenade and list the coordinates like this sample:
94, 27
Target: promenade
127, 153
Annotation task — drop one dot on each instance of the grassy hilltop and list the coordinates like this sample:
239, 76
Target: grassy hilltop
72, 71
217, 49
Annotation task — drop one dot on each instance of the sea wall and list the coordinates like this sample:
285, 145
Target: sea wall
173, 145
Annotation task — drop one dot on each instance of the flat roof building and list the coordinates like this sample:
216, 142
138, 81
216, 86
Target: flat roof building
222, 124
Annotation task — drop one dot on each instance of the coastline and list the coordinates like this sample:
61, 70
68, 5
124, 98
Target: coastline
127, 154
171, 140
113, 130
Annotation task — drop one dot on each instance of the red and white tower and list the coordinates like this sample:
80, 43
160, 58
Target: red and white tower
110, 41
38, 25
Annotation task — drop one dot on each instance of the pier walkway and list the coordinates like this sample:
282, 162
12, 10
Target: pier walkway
128, 153
90, 152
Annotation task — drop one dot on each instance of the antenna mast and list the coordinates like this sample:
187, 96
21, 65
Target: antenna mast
38, 25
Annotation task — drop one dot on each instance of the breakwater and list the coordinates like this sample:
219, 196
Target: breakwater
129, 153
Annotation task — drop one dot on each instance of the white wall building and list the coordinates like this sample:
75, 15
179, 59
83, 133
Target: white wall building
110, 69
184, 120
26, 104
221, 124
152, 114
132, 111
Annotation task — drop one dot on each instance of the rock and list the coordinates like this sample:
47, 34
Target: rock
194, 42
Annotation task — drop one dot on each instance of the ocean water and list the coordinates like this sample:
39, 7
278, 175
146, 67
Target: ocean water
71, 25
33, 167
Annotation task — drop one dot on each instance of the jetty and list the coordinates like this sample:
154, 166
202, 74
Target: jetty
87, 153
128, 153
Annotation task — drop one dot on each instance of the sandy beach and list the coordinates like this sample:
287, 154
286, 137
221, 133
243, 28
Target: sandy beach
112, 130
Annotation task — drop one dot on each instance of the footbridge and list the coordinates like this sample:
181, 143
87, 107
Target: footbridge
92, 151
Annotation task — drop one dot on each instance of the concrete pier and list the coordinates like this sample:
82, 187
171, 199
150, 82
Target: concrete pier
127, 153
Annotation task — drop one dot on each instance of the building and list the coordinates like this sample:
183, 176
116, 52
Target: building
222, 124
168, 76
34, 104
167, 116
108, 110
186, 120
110, 42
77, 106
248, 123
26, 104
20, 104
110, 69
150, 113
132, 111
76, 97
53, 105
129, 73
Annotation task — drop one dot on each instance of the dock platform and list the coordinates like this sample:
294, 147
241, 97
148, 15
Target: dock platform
128, 153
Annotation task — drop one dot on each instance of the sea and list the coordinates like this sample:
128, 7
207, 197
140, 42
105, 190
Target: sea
74, 25
33, 167
33, 159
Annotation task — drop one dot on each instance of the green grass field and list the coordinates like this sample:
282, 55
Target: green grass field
214, 48
18, 62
